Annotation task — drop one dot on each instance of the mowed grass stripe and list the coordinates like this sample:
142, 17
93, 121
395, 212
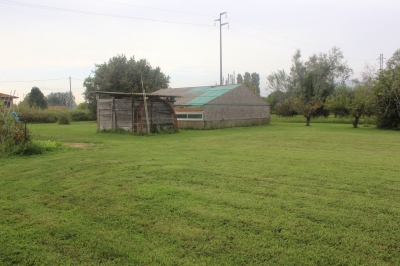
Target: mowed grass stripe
205, 197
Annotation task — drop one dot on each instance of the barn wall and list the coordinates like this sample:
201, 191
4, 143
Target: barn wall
239, 103
112, 113
231, 112
223, 123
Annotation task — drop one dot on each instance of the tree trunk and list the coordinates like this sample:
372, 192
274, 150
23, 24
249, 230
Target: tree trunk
308, 120
355, 122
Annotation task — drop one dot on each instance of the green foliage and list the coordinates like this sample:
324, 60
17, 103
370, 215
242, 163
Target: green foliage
81, 115
251, 81
239, 79
37, 115
387, 92
195, 199
117, 130
286, 108
82, 106
122, 75
309, 83
255, 82
63, 118
61, 99
16, 140
36, 99
339, 101
324, 120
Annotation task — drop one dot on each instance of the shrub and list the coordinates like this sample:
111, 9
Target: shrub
14, 139
78, 115
50, 116
63, 118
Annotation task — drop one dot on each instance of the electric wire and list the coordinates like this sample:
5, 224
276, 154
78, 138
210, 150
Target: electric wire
16, 81
95, 13
160, 9
283, 45
207, 15
167, 21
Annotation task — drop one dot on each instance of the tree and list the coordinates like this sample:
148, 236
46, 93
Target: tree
387, 92
247, 80
361, 103
309, 83
122, 75
36, 98
61, 99
239, 79
82, 106
255, 82
394, 61
278, 83
308, 101
338, 102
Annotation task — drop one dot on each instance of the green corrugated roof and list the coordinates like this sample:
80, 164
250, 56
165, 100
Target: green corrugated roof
209, 93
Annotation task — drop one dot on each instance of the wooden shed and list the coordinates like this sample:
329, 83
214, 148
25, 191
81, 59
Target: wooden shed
218, 106
128, 111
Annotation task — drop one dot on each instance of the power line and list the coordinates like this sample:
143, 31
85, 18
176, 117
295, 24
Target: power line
94, 13
287, 37
154, 20
282, 44
160, 9
14, 81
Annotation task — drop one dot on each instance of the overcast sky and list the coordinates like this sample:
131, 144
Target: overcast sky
52, 39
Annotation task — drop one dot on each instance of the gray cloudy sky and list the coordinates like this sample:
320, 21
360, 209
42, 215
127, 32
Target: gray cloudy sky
54, 39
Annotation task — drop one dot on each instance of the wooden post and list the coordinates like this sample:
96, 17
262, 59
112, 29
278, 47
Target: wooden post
133, 114
151, 114
112, 114
98, 111
145, 108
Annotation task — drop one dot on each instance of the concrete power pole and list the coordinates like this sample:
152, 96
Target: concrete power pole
381, 61
70, 94
220, 44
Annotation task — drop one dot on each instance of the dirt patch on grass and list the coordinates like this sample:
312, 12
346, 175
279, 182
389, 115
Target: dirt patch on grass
78, 145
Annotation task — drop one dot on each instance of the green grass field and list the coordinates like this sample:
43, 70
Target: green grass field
210, 197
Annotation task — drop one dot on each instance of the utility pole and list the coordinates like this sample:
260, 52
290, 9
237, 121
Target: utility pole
381, 61
70, 94
220, 43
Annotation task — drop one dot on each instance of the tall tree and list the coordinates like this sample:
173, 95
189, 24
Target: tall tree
310, 82
247, 80
255, 82
387, 92
61, 99
239, 79
36, 98
122, 75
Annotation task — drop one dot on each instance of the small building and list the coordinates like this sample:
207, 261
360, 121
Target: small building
7, 100
218, 106
128, 111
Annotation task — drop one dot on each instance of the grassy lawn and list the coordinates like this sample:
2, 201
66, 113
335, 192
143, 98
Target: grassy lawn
205, 197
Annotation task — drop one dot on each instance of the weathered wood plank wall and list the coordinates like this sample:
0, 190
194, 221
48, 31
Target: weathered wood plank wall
121, 113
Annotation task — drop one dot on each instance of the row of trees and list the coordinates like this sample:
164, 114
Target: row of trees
35, 98
322, 85
251, 81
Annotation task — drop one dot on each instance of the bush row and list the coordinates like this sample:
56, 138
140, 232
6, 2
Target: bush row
330, 119
51, 116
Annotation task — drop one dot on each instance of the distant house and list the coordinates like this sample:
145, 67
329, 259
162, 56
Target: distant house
7, 100
218, 106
